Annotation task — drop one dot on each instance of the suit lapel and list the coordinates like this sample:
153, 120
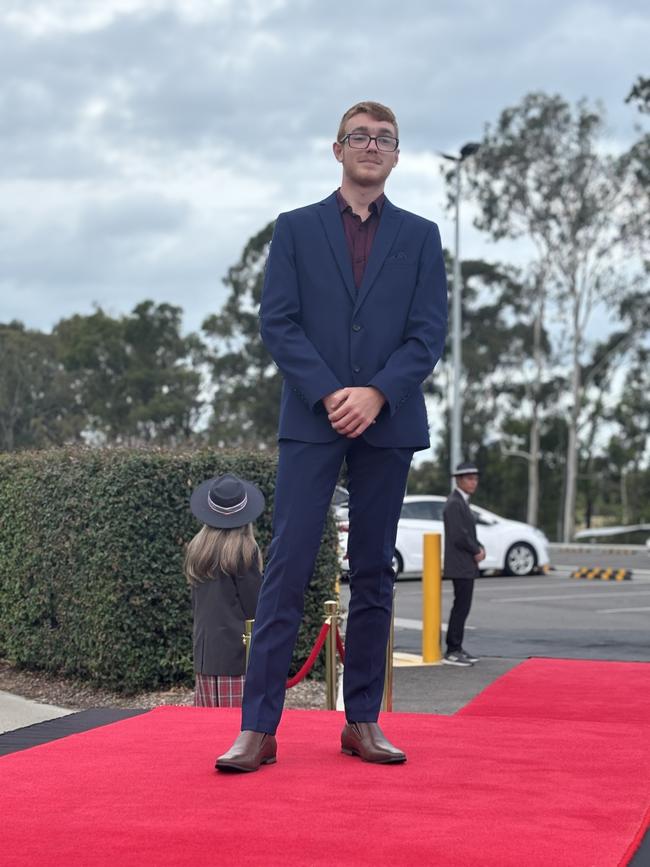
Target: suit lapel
391, 219
333, 225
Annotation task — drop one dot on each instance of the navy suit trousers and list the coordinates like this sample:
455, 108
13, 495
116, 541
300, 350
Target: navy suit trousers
307, 475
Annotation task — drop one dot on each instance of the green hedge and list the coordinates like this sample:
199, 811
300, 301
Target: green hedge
91, 549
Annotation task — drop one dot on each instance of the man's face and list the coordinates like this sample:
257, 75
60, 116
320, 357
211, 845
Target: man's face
369, 167
468, 483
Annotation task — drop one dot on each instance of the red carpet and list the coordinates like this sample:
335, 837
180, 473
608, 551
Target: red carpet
476, 792
568, 689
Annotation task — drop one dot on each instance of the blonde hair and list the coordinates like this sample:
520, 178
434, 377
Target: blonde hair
375, 109
216, 551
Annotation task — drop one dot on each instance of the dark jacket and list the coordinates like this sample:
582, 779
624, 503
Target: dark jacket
461, 542
324, 335
220, 606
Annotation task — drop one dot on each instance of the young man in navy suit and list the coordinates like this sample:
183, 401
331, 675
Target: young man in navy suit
353, 312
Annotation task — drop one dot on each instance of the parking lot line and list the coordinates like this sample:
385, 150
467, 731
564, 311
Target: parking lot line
621, 610
602, 588
409, 623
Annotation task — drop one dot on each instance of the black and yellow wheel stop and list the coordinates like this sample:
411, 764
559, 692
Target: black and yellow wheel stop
592, 573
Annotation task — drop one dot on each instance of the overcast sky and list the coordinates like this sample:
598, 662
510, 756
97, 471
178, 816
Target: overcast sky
142, 142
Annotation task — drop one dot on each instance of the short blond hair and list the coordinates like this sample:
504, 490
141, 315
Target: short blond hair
375, 109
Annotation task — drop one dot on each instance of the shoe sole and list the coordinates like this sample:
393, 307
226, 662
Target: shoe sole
238, 769
458, 664
387, 761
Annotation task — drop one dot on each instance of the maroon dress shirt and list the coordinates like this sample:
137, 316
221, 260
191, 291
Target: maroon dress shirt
359, 233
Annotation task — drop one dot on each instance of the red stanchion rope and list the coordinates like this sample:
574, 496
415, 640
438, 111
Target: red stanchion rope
339, 645
308, 665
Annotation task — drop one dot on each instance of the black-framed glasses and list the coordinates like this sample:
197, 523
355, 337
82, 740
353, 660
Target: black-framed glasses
361, 140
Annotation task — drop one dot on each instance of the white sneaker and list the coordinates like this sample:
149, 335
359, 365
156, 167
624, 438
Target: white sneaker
457, 657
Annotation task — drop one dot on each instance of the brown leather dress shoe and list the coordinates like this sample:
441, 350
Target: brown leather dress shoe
250, 750
367, 741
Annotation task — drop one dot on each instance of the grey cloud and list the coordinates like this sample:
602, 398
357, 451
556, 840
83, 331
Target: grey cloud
50, 158
181, 83
130, 216
258, 96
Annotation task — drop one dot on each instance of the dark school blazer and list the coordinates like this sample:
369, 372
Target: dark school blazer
324, 335
461, 542
220, 606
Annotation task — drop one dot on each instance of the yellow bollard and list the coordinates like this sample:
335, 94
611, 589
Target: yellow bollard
387, 701
431, 598
247, 636
331, 617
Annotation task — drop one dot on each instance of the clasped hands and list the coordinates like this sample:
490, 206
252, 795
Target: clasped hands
351, 410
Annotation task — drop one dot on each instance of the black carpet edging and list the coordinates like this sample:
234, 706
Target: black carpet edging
61, 727
641, 857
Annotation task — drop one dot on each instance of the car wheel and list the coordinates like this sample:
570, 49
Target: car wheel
398, 563
520, 559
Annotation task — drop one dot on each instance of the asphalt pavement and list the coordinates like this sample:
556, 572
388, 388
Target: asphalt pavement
545, 615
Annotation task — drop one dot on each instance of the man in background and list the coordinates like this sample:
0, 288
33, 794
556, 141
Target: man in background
463, 553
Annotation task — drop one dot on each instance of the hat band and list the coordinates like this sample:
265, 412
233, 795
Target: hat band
227, 510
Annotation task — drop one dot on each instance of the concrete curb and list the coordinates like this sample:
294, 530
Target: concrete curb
579, 548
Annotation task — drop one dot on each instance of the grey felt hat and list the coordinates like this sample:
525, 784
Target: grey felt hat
227, 501
466, 468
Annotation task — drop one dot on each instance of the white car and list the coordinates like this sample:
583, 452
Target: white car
510, 546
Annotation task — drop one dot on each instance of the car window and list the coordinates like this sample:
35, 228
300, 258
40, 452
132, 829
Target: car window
423, 510
437, 509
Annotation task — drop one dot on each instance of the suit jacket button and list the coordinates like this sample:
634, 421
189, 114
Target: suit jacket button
356, 327
356, 369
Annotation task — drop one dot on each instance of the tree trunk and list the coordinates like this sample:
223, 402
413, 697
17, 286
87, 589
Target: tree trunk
625, 510
572, 446
532, 508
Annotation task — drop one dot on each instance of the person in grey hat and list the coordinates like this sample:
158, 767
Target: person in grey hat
463, 553
223, 568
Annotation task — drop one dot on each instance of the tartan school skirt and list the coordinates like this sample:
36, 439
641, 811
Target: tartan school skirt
218, 691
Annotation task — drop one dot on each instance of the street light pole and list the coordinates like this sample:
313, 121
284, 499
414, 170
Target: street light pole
455, 455
456, 320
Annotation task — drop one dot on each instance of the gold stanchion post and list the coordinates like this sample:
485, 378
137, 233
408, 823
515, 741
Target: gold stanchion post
387, 701
331, 617
431, 598
248, 634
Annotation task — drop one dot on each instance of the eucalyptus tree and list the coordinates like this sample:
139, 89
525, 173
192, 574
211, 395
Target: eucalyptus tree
37, 406
136, 377
505, 373
638, 216
542, 174
246, 383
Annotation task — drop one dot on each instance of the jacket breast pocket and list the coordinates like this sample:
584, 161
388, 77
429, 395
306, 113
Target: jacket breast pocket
399, 261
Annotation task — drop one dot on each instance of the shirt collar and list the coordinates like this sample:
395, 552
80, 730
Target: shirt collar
463, 494
374, 206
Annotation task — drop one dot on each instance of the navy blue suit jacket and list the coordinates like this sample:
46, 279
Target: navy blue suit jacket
324, 335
